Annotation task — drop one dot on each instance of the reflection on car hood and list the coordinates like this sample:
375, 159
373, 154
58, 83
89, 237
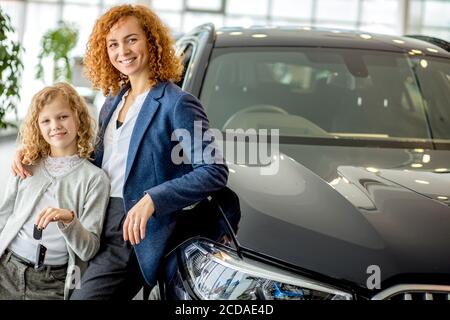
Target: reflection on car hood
337, 211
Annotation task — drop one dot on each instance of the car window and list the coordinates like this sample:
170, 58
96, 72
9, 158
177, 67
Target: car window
186, 56
433, 83
328, 92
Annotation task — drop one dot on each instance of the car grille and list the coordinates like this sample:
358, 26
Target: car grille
415, 292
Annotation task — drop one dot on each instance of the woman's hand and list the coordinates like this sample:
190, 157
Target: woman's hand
18, 167
48, 215
136, 221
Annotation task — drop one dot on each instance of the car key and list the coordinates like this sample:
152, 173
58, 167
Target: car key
37, 233
40, 250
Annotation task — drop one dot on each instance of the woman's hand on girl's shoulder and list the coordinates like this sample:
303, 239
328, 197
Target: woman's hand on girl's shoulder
18, 167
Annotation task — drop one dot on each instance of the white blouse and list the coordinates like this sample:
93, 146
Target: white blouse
116, 142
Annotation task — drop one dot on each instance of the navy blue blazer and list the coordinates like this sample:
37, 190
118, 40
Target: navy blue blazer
150, 169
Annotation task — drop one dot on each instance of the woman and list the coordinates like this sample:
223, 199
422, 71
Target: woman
130, 55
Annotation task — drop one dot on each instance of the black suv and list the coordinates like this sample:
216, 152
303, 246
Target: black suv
358, 207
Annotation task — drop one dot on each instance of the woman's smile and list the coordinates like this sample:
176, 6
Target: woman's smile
127, 61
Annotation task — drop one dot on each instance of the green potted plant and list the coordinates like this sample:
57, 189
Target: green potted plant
57, 44
11, 67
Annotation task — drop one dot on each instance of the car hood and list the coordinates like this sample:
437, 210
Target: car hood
338, 211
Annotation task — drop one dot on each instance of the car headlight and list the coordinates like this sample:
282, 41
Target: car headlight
215, 273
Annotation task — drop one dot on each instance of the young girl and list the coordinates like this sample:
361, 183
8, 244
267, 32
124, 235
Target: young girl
61, 207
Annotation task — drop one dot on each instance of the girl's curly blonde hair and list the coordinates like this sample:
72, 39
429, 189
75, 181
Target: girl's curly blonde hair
33, 145
164, 65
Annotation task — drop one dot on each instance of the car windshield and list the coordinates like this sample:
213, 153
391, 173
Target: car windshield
326, 92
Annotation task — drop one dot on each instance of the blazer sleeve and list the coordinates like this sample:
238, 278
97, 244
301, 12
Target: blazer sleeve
83, 234
9, 200
205, 178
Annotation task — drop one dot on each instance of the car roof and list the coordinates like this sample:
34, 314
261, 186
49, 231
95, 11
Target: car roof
320, 37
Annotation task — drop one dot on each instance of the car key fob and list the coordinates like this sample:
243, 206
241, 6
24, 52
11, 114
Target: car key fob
37, 233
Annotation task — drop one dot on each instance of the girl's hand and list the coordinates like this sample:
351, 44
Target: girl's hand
48, 215
136, 221
18, 167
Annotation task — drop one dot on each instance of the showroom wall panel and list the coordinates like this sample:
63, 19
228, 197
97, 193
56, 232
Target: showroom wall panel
381, 16
431, 17
337, 10
299, 10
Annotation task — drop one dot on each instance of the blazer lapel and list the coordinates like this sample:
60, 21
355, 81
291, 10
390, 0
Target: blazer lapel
145, 116
105, 121
111, 110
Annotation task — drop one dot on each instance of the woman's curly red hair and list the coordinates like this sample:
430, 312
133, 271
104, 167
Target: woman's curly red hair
164, 64
33, 145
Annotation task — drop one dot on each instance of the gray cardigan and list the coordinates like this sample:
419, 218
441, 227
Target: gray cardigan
85, 190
